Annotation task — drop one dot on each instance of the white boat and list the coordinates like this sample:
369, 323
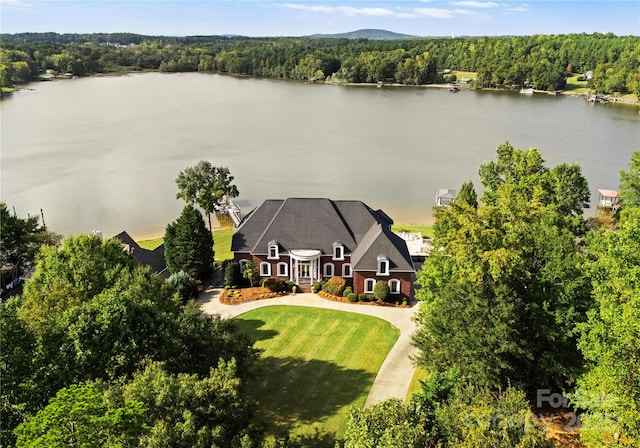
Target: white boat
528, 91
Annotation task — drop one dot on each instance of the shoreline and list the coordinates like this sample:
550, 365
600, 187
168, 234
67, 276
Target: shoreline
610, 98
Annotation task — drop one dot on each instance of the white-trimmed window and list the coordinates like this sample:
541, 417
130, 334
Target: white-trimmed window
346, 270
273, 254
328, 270
369, 284
394, 286
283, 270
265, 269
338, 251
242, 263
383, 265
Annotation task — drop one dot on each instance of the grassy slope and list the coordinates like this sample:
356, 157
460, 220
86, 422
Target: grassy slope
317, 364
221, 243
418, 375
424, 230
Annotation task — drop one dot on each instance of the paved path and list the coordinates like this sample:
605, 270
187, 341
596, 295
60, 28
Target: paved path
397, 369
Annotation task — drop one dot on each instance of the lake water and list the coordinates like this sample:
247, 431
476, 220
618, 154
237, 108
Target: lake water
103, 153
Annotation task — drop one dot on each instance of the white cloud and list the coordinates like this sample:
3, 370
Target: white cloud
476, 4
436, 13
348, 10
521, 8
465, 12
15, 5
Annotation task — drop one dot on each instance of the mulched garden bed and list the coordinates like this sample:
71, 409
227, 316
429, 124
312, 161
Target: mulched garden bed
241, 295
334, 298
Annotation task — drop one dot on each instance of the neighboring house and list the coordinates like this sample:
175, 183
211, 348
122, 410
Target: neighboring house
445, 197
306, 240
154, 259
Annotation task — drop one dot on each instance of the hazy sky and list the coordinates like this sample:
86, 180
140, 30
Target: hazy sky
302, 17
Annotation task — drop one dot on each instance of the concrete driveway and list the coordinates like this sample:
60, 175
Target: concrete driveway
395, 374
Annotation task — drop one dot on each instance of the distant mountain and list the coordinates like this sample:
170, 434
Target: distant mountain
365, 34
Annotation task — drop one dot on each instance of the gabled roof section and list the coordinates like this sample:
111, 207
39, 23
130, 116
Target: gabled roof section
359, 217
253, 225
381, 241
154, 259
305, 223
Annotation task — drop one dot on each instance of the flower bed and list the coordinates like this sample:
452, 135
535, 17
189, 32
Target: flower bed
240, 295
334, 298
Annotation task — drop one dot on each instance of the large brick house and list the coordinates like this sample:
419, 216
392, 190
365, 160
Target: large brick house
306, 240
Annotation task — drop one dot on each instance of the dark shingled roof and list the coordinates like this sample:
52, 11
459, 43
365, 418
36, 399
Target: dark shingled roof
381, 241
154, 259
317, 223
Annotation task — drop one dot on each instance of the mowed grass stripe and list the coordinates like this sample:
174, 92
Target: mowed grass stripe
316, 363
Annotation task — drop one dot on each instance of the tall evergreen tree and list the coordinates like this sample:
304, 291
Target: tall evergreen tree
188, 245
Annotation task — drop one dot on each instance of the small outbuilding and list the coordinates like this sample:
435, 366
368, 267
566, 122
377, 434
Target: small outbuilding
608, 199
445, 197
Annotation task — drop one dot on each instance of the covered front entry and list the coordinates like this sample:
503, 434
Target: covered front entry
305, 266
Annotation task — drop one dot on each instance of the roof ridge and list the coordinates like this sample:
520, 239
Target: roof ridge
268, 226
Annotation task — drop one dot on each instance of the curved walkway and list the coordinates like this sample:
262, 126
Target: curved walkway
395, 374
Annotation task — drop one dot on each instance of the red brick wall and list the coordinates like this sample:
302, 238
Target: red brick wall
404, 277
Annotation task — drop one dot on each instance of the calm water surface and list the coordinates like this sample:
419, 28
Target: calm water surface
103, 153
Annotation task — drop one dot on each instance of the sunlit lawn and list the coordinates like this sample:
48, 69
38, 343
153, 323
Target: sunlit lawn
317, 364
418, 375
575, 86
424, 230
221, 243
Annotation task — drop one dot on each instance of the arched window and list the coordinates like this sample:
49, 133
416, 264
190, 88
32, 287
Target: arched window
273, 254
383, 266
242, 263
265, 269
394, 286
283, 270
338, 251
328, 270
346, 270
369, 284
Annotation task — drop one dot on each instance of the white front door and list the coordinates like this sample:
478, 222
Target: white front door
304, 272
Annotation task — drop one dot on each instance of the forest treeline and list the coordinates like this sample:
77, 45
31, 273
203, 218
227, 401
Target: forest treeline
540, 61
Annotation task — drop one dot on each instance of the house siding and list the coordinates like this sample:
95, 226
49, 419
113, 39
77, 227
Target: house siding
404, 277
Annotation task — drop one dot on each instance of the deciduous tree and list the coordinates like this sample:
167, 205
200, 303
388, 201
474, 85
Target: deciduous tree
207, 186
610, 390
502, 285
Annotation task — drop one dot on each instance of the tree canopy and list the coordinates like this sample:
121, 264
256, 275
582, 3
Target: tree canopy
89, 322
502, 284
541, 61
206, 186
20, 240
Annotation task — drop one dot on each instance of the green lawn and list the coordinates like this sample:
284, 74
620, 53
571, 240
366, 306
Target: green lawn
221, 243
575, 86
425, 230
418, 375
317, 364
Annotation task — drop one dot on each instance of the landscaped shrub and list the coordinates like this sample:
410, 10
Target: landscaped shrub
335, 286
352, 297
274, 284
231, 273
185, 285
319, 286
381, 290
347, 291
362, 297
